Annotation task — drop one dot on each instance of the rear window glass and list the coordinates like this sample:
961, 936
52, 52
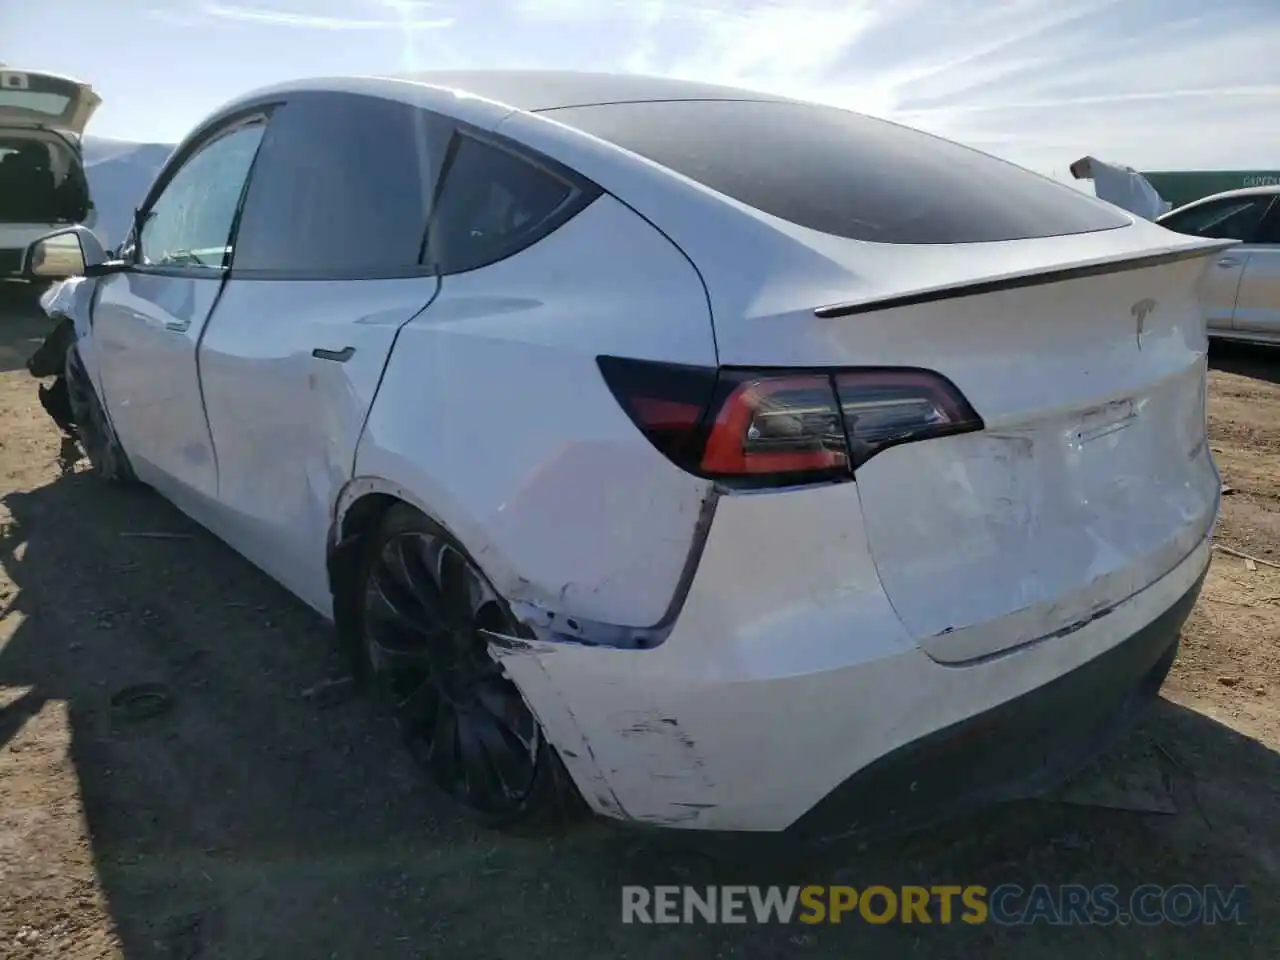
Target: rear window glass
843, 173
37, 92
493, 205
52, 104
1237, 219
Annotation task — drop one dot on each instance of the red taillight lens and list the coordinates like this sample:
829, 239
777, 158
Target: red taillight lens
781, 428
667, 401
777, 427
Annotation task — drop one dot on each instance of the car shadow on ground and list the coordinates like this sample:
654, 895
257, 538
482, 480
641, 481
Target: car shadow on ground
1246, 360
254, 820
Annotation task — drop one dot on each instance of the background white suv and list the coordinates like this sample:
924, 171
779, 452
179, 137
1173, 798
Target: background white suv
42, 179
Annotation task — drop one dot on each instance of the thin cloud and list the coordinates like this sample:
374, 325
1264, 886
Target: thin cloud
1156, 83
1153, 83
312, 21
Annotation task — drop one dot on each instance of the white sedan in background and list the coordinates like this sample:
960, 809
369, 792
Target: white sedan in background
719, 460
1241, 293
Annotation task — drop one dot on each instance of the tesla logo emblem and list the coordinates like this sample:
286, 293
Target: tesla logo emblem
1141, 310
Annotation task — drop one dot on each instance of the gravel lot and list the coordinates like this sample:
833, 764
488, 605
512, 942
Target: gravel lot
252, 821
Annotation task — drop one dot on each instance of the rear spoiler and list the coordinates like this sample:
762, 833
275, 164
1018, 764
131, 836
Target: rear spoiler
1037, 278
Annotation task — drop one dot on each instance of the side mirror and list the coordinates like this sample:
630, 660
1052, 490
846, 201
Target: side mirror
54, 257
73, 252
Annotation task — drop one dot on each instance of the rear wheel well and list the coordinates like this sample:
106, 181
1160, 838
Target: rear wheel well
363, 516
346, 557
553, 799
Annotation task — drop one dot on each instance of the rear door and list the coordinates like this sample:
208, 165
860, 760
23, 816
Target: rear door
148, 319
1230, 218
1258, 302
326, 271
45, 100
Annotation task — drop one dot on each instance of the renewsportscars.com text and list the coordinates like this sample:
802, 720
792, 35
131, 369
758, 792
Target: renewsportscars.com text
1008, 904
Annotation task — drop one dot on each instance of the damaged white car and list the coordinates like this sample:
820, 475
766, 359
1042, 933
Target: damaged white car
42, 179
725, 461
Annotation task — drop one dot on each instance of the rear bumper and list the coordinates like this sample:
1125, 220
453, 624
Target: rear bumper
827, 713
1019, 749
789, 678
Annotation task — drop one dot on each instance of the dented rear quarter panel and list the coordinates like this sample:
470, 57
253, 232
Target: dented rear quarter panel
494, 414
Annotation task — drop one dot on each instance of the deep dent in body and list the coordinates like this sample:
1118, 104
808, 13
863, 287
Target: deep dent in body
670, 752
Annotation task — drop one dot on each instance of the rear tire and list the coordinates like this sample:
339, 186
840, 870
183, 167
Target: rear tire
422, 606
94, 432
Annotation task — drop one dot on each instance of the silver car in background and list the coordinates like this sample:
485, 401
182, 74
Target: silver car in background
1242, 291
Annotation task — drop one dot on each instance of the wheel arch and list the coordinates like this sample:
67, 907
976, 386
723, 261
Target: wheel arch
358, 512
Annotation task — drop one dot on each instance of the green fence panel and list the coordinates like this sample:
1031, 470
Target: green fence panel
1183, 186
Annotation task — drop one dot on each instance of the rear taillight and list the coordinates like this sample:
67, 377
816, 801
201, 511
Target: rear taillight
783, 427
885, 407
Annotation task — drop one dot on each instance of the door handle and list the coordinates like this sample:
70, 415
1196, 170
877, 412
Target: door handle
338, 356
1228, 262
177, 326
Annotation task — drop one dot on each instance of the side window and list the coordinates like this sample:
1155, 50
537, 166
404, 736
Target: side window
189, 224
1232, 219
1269, 232
494, 203
341, 190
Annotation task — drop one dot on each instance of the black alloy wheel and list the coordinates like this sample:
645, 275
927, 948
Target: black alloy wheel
426, 615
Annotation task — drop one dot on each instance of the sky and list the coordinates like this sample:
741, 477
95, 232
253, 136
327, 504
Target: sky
1154, 84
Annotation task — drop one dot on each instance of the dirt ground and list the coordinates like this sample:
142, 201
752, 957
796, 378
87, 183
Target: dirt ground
252, 821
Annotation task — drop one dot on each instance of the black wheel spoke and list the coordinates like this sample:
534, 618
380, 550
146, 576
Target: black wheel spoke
426, 607
507, 757
413, 564
390, 602
417, 712
404, 664
481, 781
452, 577
499, 698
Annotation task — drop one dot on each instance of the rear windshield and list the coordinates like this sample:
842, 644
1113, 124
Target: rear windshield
52, 104
38, 92
843, 173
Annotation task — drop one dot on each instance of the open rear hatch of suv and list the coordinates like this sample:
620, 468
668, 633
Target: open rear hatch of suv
46, 101
42, 177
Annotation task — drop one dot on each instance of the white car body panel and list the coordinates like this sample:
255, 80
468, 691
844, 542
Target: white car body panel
529, 330
1257, 307
1102, 393
146, 329
1219, 289
835, 623
678, 735
285, 423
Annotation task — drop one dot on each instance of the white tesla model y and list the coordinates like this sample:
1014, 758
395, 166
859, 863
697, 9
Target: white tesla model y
722, 460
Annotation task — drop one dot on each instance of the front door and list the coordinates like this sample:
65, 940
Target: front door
148, 320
